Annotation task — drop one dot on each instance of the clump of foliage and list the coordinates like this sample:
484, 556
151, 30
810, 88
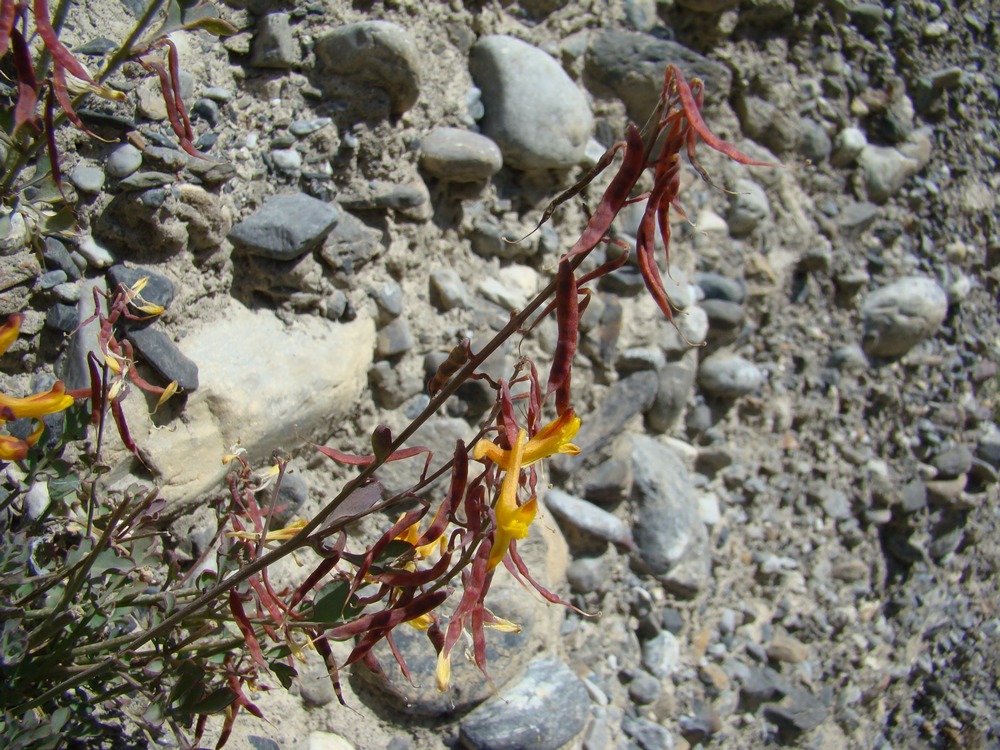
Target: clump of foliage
103, 628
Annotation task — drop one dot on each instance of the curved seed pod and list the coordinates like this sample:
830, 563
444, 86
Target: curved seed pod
568, 322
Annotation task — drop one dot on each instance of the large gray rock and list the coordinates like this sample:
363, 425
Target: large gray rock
671, 540
263, 385
534, 111
578, 515
285, 227
633, 66
375, 53
544, 711
899, 316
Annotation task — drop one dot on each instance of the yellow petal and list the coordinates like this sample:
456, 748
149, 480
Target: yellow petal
421, 623
15, 449
9, 331
504, 626
443, 671
169, 391
52, 401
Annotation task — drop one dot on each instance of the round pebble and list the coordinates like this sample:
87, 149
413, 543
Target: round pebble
729, 375
123, 161
459, 155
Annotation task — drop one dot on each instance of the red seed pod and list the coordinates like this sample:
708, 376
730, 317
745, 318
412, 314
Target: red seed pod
568, 322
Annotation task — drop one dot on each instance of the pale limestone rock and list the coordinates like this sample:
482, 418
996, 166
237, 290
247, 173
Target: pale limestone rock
263, 385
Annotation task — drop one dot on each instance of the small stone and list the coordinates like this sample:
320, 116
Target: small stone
146, 180
394, 339
274, 45
351, 244
886, 170
587, 574
717, 286
748, 208
68, 292
850, 571
286, 159
714, 675
123, 161
285, 227
459, 155
447, 289
799, 712
847, 147
207, 110
87, 179
389, 298
641, 358
51, 279
899, 316
676, 383
302, 128
217, 94
644, 688
163, 355
788, 649
61, 317
647, 734
708, 508
319, 740
373, 53
953, 461
814, 144
728, 375
854, 219
723, 316
511, 289
661, 655
544, 711
946, 491
587, 518
159, 290
97, 256
55, 255
836, 504
166, 159
534, 111
609, 483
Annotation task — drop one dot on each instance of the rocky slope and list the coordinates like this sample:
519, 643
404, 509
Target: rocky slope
788, 535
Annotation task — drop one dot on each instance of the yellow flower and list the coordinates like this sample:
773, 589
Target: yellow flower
553, 438
513, 520
278, 535
38, 405
411, 535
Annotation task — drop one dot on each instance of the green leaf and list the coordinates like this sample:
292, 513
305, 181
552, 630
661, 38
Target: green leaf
214, 702
58, 719
60, 487
284, 673
214, 26
59, 222
108, 561
331, 604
